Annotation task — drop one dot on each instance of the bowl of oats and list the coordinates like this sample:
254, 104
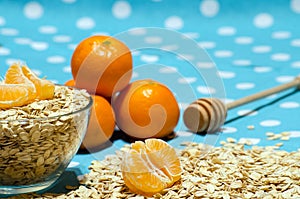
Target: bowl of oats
38, 140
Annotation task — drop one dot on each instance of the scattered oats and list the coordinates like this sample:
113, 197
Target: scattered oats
222, 142
285, 133
231, 140
70, 187
285, 138
30, 150
250, 127
270, 134
279, 144
224, 172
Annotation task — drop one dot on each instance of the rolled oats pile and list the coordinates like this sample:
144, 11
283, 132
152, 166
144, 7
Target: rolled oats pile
223, 172
35, 140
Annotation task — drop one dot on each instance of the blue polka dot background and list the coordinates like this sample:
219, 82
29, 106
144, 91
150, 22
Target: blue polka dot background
254, 45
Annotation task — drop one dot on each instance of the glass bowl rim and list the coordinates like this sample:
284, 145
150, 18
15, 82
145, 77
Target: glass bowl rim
56, 116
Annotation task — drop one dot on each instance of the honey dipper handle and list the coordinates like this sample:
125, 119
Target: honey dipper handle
265, 93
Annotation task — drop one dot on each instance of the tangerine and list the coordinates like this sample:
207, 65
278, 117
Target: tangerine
102, 65
146, 108
21, 86
70, 83
150, 166
101, 125
44, 88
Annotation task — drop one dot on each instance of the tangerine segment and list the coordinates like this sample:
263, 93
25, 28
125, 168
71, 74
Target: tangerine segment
12, 95
150, 167
102, 65
14, 75
44, 88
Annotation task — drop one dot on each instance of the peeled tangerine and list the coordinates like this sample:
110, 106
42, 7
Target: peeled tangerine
150, 166
21, 86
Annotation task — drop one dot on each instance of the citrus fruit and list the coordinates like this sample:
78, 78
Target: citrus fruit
70, 83
44, 88
101, 125
101, 65
146, 108
12, 95
150, 166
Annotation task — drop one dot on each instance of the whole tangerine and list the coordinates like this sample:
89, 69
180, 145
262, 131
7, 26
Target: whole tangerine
146, 108
102, 65
101, 124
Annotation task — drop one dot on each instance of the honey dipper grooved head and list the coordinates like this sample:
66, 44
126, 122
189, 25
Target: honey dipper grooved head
205, 115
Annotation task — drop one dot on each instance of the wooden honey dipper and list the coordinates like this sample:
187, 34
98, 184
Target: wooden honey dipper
209, 114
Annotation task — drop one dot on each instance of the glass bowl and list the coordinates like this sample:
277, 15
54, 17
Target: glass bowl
38, 141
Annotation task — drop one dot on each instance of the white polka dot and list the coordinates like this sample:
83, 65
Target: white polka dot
209, 8
281, 35
262, 69
280, 57
242, 62
253, 141
72, 46
168, 69
62, 38
226, 31
4, 51
183, 105
270, 123
39, 46
263, 20
37, 72
245, 85
153, 40
295, 42
191, 35
149, 58
205, 64
207, 44
67, 69
188, 57
22, 41
228, 129
294, 134
171, 47
47, 29
206, 90
289, 105
187, 80
69, 1
296, 64
56, 59
135, 52
100, 33
85, 23
272, 96
184, 133
295, 6
9, 31
261, 49
284, 79
247, 112
174, 22
2, 21
73, 164
121, 9
33, 10
244, 40
11, 61
226, 74
137, 31
227, 100
223, 53
135, 74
